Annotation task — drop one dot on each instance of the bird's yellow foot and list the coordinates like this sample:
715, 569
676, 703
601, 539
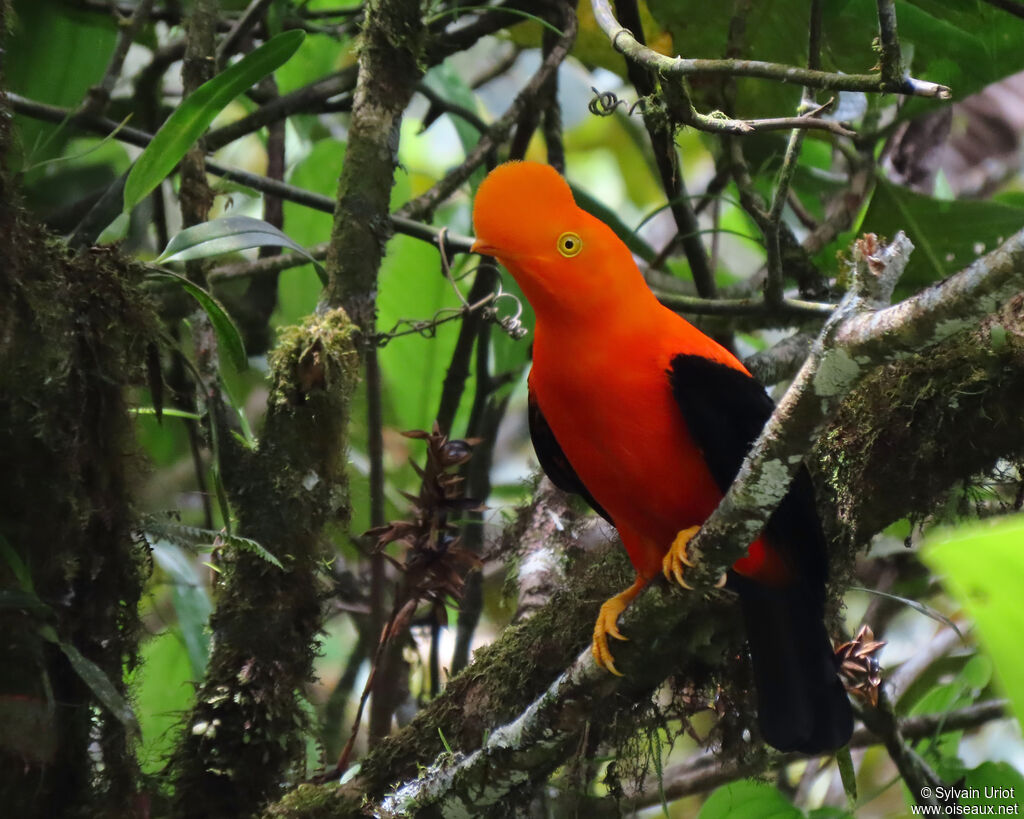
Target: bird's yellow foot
608, 625
676, 560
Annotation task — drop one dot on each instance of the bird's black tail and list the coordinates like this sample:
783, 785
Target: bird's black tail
801, 703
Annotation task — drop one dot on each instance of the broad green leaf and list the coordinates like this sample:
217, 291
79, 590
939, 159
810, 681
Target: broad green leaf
199, 109
37, 33
993, 783
228, 337
191, 603
445, 80
748, 799
318, 56
162, 692
944, 697
228, 234
97, 681
947, 236
983, 568
299, 288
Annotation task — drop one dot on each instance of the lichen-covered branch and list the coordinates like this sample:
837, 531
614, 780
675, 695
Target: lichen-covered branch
824, 379
624, 42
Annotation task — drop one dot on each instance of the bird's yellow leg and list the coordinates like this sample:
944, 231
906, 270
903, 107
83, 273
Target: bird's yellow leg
676, 560
608, 625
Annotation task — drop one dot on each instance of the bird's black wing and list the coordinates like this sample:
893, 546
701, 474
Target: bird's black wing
554, 461
725, 410
802, 704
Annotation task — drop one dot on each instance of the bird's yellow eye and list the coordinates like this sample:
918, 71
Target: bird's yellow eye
569, 244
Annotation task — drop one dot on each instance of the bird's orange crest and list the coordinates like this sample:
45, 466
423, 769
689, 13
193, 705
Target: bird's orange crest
523, 208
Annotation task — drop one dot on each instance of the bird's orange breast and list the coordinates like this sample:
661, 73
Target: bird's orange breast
608, 401
607, 397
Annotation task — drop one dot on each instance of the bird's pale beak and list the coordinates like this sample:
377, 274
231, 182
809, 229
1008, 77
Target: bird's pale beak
481, 247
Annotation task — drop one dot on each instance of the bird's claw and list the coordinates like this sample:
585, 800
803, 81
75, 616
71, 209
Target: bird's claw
672, 565
607, 625
675, 562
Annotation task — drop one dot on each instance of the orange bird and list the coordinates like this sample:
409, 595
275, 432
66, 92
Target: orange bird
648, 419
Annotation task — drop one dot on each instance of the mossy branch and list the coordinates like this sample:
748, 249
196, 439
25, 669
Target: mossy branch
246, 733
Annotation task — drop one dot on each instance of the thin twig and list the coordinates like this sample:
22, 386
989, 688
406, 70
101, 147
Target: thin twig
98, 97
672, 180
624, 42
250, 17
889, 43
706, 772
309, 99
425, 204
773, 290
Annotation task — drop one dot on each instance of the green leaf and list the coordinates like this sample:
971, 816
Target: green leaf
17, 566
947, 236
228, 234
966, 44
983, 568
299, 289
162, 693
228, 337
97, 681
170, 412
847, 773
199, 109
250, 545
191, 603
35, 33
995, 784
748, 799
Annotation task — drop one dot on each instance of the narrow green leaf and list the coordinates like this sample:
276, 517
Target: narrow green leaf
847, 773
99, 683
170, 412
17, 565
916, 605
24, 601
228, 337
198, 110
228, 234
983, 568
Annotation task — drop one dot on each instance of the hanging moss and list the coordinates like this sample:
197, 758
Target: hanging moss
918, 427
74, 332
246, 735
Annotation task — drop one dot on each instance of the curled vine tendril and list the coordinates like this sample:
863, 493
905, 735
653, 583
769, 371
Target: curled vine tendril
605, 103
487, 307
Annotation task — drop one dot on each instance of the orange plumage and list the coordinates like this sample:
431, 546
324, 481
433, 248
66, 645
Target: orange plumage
625, 399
